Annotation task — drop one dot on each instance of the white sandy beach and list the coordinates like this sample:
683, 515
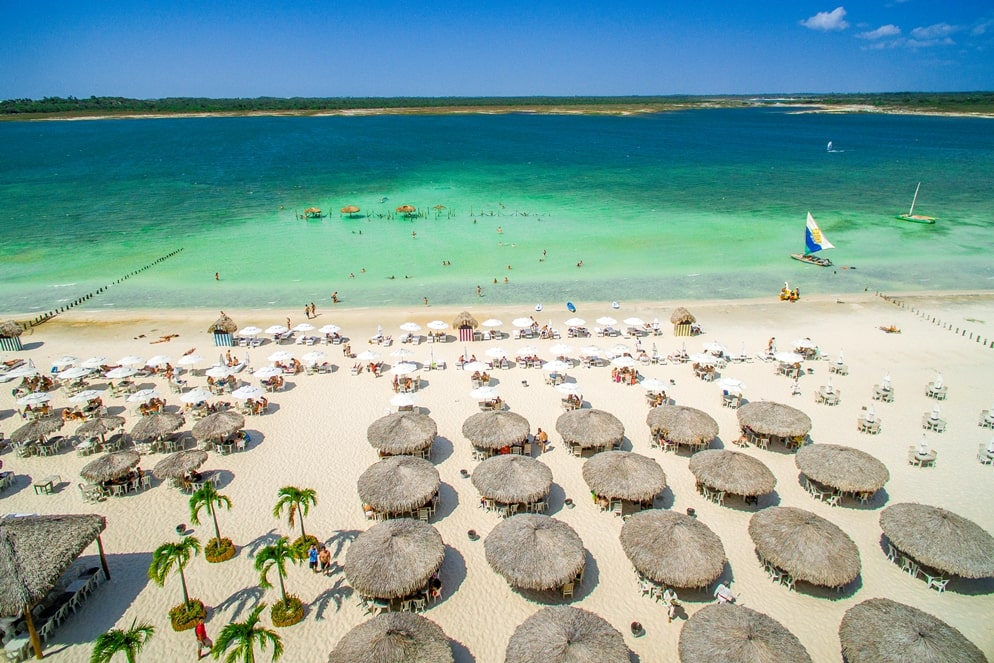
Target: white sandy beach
315, 436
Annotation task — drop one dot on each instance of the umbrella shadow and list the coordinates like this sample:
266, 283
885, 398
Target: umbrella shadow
261, 541
555, 501
957, 585
830, 593
6, 413
460, 653
448, 500
256, 438
225, 477
441, 449
19, 482
245, 598
336, 594
738, 502
289, 386
119, 410
717, 443
664, 500
336, 542
452, 574
626, 444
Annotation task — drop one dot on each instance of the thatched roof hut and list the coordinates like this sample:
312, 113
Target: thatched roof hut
38, 429
682, 316
806, 546
394, 637
845, 468
511, 478
735, 634
394, 558
218, 425
495, 429
99, 426
683, 425
534, 551
769, 418
10, 329
624, 475
176, 465
223, 324
110, 466
732, 472
672, 548
464, 319
564, 634
156, 426
398, 484
590, 428
940, 539
884, 631
402, 433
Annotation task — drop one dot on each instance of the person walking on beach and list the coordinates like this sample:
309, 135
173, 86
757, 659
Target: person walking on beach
314, 310
202, 640
312, 558
307, 311
541, 439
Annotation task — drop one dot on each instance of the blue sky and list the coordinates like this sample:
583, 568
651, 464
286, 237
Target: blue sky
249, 48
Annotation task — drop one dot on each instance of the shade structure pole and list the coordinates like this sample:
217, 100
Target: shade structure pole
32, 631
103, 559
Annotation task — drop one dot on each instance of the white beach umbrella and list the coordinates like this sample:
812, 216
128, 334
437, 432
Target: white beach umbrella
624, 362
190, 360
404, 368
95, 362
653, 385
303, 327
475, 366
218, 372
607, 321
280, 355
65, 360
159, 360
196, 395
788, 357
715, 347
804, 343
143, 396
484, 393
923, 446
522, 322
938, 380
267, 372
438, 325
246, 392
575, 322
329, 329
556, 366
493, 322
401, 352
841, 358
131, 360
634, 322
404, 400
496, 353
368, 355
85, 395
732, 385
313, 357
591, 351
120, 372
36, 398
249, 331
23, 372
410, 327
703, 358
276, 329
618, 349
526, 351
561, 349
570, 389
74, 373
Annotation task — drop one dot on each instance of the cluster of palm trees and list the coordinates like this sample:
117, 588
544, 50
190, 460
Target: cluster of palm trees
236, 641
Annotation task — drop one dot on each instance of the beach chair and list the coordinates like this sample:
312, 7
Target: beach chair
567, 590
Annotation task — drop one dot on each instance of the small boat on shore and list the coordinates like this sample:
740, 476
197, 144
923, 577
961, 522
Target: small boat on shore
911, 216
814, 241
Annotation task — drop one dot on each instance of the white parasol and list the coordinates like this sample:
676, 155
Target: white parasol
561, 349
249, 331
329, 329
189, 360
66, 360
484, 393
36, 398
624, 362
85, 395
575, 322
196, 395
556, 366
74, 373
158, 360
368, 355
607, 321
313, 357
703, 358
276, 329
591, 351
496, 353
95, 362
410, 327
475, 366
526, 351
732, 385
493, 322
404, 400
570, 389
218, 372
303, 327
634, 322
143, 396
404, 368
246, 392
267, 372
788, 357
439, 325
522, 322
280, 355
804, 343
653, 385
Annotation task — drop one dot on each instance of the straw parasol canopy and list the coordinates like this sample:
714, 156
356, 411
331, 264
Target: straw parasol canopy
495, 429
806, 546
624, 475
683, 425
99, 426
176, 465
884, 631
36, 550
590, 428
464, 319
398, 483
672, 548
564, 634
394, 637
36, 430
845, 468
511, 478
156, 426
10, 329
940, 539
349, 209
402, 433
394, 558
732, 472
218, 425
682, 316
534, 551
735, 634
223, 324
769, 418
407, 209
110, 466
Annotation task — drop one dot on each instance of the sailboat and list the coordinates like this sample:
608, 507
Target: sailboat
829, 148
814, 241
911, 216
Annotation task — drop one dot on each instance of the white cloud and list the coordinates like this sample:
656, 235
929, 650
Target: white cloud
827, 21
888, 30
934, 32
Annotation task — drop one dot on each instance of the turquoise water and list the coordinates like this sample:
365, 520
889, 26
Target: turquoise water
705, 203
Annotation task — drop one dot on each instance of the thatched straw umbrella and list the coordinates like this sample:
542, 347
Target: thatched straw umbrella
10, 329
884, 631
672, 548
394, 637
34, 553
402, 433
624, 475
534, 551
407, 209
495, 429
769, 418
736, 634
512, 479
564, 634
99, 426
176, 465
849, 470
940, 539
590, 428
464, 319
156, 426
682, 316
394, 558
398, 484
732, 472
683, 425
806, 546
223, 324
110, 466
349, 209
36, 430
218, 425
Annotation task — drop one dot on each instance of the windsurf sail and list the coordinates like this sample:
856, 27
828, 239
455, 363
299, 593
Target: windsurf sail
814, 238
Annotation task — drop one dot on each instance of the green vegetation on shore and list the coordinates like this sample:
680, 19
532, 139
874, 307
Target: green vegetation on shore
911, 102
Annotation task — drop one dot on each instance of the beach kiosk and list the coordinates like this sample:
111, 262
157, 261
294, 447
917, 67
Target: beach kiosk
223, 328
683, 322
466, 324
10, 336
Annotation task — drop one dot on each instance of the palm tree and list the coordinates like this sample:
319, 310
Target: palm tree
208, 498
118, 640
276, 556
297, 501
241, 638
170, 555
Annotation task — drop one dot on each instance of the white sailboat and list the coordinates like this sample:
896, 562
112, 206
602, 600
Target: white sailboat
911, 216
814, 241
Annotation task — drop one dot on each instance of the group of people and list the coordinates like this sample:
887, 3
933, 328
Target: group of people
789, 294
482, 378
217, 385
256, 406
153, 406
32, 384
626, 375
274, 383
573, 401
310, 310
319, 559
405, 385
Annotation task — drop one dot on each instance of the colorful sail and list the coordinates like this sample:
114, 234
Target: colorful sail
814, 239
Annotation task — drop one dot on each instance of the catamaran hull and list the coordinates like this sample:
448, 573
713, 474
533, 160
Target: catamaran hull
916, 218
812, 260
